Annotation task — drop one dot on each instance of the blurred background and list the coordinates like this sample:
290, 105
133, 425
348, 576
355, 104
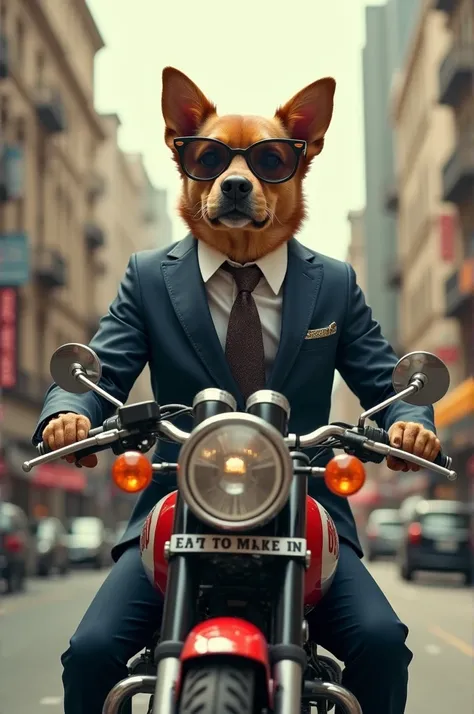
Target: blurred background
85, 180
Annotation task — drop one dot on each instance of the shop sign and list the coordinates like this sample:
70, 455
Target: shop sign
447, 226
8, 338
14, 259
13, 170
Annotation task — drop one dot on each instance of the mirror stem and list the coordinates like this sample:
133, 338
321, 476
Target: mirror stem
417, 382
78, 374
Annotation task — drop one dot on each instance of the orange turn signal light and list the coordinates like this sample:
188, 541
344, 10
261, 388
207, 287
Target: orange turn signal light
344, 475
132, 472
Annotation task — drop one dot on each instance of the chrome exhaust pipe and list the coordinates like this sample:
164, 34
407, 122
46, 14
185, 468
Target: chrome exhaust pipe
341, 697
125, 690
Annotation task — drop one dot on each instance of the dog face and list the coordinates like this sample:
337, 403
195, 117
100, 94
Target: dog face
243, 203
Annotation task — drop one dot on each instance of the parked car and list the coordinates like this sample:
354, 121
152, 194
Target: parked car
15, 547
383, 533
87, 542
436, 538
408, 507
51, 546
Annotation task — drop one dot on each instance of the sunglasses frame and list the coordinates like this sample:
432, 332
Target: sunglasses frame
180, 143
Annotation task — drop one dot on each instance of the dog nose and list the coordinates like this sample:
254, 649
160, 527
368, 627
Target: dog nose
236, 187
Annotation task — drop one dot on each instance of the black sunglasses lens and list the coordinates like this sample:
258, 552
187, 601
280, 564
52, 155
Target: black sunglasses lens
204, 159
273, 161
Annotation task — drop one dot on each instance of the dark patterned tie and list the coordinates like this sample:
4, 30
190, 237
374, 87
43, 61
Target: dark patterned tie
244, 343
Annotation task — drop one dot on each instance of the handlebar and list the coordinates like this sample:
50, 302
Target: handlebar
359, 442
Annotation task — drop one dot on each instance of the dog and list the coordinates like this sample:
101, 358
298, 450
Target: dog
243, 203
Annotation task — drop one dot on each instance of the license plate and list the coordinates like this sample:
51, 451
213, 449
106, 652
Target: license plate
242, 545
446, 546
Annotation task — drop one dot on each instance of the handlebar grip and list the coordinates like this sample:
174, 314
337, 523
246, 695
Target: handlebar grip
44, 448
380, 435
443, 460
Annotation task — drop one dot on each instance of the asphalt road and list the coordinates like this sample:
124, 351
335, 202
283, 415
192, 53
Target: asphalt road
35, 626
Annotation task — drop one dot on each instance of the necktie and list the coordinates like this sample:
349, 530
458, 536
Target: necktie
244, 343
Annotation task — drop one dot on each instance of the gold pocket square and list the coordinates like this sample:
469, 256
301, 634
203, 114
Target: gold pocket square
322, 332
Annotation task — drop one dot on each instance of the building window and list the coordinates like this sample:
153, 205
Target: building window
20, 138
3, 16
20, 131
67, 220
40, 64
59, 214
19, 48
4, 114
466, 23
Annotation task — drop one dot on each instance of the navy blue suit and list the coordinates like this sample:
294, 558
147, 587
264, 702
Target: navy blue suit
161, 316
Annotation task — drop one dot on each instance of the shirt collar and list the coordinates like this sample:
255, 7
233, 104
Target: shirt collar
273, 265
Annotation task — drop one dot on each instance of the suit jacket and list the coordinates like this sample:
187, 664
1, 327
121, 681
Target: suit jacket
161, 316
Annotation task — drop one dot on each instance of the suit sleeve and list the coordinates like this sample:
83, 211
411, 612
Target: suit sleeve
121, 344
365, 360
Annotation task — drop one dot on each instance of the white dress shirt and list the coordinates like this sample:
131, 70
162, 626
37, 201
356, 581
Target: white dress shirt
268, 295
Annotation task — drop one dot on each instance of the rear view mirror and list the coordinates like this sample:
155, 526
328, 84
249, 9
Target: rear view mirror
432, 372
71, 360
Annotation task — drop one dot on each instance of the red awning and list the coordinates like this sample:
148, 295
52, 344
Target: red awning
57, 476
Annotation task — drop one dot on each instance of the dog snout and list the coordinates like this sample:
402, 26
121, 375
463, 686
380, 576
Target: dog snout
236, 188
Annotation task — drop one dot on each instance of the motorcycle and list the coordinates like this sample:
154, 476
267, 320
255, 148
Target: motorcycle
240, 551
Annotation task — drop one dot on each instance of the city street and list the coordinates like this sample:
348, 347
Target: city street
35, 628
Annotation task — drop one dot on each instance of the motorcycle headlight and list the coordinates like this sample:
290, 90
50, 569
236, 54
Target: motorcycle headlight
235, 471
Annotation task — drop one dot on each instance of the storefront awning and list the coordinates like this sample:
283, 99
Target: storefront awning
59, 476
456, 405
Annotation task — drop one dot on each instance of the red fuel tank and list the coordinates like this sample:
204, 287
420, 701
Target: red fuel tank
321, 539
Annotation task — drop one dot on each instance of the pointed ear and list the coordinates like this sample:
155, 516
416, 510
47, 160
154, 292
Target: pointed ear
184, 106
308, 114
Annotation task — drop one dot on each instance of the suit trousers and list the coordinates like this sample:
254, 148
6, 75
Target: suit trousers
354, 621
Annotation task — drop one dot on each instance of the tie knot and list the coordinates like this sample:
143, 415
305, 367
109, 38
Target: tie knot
246, 278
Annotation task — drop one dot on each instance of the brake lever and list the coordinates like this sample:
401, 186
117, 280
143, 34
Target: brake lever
386, 450
107, 437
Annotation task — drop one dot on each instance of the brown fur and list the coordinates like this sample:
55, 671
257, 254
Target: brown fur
187, 112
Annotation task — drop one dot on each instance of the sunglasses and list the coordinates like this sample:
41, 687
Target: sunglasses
270, 160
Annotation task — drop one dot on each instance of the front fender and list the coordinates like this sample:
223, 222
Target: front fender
227, 636
231, 637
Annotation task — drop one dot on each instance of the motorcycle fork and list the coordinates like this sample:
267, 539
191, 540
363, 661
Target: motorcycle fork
178, 616
288, 655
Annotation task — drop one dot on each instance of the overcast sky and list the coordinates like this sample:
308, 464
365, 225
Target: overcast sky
248, 57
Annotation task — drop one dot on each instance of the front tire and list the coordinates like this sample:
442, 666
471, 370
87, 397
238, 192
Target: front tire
219, 688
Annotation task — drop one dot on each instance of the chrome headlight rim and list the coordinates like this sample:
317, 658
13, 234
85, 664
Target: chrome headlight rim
264, 429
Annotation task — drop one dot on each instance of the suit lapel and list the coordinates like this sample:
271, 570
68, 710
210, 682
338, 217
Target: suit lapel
300, 293
188, 296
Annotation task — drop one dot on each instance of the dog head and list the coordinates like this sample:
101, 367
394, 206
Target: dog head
243, 197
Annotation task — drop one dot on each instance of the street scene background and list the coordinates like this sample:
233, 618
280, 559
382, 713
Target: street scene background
86, 180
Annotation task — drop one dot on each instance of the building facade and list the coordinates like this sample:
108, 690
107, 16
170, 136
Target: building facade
73, 208
389, 28
345, 405
380, 224
49, 132
132, 219
431, 243
455, 414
